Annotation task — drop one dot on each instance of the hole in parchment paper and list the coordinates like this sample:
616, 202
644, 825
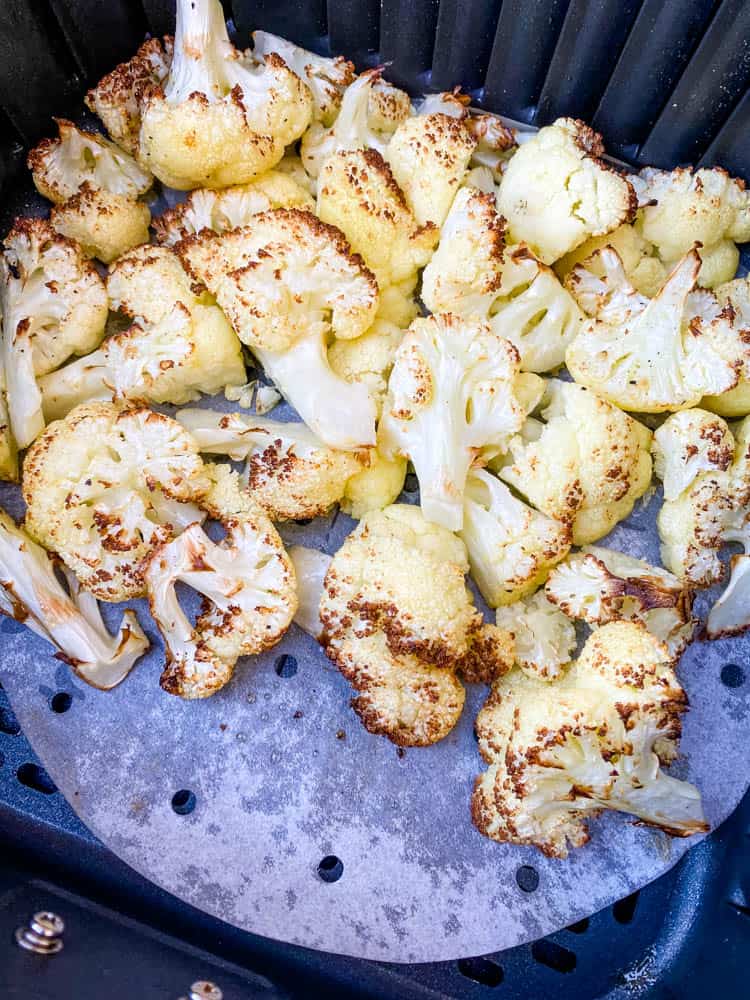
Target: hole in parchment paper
60, 702
33, 776
9, 723
527, 878
286, 665
624, 909
554, 956
183, 802
579, 927
732, 675
411, 483
331, 868
481, 970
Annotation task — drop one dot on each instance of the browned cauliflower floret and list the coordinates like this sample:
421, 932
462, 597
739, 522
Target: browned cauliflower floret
105, 486
246, 580
105, 224
736, 402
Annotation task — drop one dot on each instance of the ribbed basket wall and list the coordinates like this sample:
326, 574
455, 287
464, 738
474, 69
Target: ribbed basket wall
666, 81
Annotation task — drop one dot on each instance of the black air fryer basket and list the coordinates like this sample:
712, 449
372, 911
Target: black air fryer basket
667, 83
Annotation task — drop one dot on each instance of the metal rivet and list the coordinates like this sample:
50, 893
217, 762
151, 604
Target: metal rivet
43, 934
204, 990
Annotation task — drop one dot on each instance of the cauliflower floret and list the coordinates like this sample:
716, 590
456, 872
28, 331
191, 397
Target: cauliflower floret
107, 485
594, 740
496, 143
375, 487
368, 359
398, 305
600, 585
387, 107
586, 466
60, 166
428, 155
544, 636
714, 509
8, 448
286, 283
291, 166
310, 568
106, 225
452, 403
53, 304
326, 78
683, 207
730, 615
358, 194
654, 354
511, 547
146, 282
557, 191
230, 208
219, 118
118, 96
31, 593
288, 471
643, 269
687, 444
247, 581
736, 402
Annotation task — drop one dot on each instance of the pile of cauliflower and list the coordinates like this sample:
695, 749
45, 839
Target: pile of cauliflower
427, 289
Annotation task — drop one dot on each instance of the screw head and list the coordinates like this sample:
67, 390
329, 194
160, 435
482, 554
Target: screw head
204, 990
42, 934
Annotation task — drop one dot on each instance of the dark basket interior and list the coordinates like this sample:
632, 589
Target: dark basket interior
666, 83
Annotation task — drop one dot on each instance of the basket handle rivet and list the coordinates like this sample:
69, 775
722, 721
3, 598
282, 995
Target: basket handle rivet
43, 934
204, 990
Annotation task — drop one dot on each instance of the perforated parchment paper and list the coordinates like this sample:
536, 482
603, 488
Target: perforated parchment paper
284, 774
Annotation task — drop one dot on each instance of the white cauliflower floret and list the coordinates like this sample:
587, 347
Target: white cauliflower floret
683, 207
496, 143
230, 208
511, 546
557, 191
586, 466
31, 593
291, 166
654, 354
375, 487
246, 580
451, 404
736, 402
545, 637
286, 283
643, 269
118, 96
398, 621
107, 485
219, 119
428, 155
8, 448
106, 225
713, 509
326, 78
600, 585
310, 568
358, 194
146, 282
53, 304
559, 753
688, 444
288, 471
368, 359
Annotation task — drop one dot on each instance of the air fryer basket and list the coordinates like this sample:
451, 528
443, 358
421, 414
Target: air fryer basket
666, 84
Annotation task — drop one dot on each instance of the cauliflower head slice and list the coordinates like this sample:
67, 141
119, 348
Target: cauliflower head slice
118, 96
231, 207
53, 304
736, 402
247, 582
688, 444
106, 225
327, 78
286, 283
174, 360
511, 546
452, 403
557, 191
358, 194
288, 471
544, 636
713, 510
600, 585
594, 740
643, 268
682, 207
31, 593
219, 119
585, 466
60, 166
428, 156
105, 486
657, 354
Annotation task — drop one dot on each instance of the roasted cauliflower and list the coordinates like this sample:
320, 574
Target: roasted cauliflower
596, 739
287, 283
310, 568
105, 486
643, 269
687, 444
736, 402
218, 119
544, 637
